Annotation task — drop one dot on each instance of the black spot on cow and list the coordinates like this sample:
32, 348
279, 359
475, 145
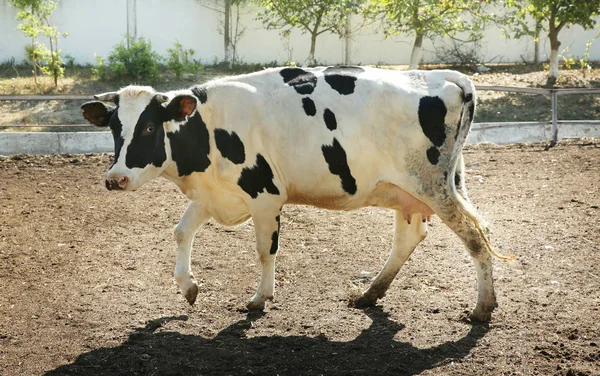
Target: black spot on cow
190, 146
302, 81
335, 156
309, 106
433, 154
471, 107
330, 120
148, 143
342, 78
432, 112
230, 146
275, 238
258, 178
457, 179
274, 243
116, 128
460, 120
200, 93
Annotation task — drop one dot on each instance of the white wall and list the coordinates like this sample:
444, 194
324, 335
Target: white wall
95, 26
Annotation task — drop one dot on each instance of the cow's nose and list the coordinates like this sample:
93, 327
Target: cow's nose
116, 182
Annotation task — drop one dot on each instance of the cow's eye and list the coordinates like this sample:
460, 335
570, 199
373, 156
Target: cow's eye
150, 129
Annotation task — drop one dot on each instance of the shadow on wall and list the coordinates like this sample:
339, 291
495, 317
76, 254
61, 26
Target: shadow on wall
373, 352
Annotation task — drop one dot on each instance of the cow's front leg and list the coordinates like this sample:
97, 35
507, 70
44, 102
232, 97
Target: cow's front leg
193, 217
266, 226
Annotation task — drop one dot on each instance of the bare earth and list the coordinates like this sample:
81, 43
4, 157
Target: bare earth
86, 286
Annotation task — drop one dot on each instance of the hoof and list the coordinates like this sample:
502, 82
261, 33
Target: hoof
192, 293
363, 302
480, 316
255, 306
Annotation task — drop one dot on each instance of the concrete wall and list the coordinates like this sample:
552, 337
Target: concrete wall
95, 26
102, 142
55, 142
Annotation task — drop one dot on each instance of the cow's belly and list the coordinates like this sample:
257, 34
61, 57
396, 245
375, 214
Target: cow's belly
384, 194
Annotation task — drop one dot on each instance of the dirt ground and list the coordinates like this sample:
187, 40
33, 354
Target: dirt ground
86, 279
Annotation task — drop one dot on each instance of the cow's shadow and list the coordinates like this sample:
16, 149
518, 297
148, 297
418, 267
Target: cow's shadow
373, 352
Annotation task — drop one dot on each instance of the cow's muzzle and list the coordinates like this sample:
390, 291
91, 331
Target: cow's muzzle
117, 183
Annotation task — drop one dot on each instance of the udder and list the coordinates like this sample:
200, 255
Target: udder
387, 195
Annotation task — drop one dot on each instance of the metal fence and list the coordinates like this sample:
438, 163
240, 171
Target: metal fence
553, 93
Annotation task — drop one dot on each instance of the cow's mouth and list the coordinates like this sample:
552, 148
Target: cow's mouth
117, 183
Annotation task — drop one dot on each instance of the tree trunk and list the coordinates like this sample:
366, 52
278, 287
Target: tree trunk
415, 56
34, 61
554, 46
536, 53
553, 31
227, 34
347, 40
310, 60
33, 52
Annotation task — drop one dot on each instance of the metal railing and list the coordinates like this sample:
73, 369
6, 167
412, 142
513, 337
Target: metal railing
552, 93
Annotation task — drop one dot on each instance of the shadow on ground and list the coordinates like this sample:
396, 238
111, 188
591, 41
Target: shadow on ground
373, 352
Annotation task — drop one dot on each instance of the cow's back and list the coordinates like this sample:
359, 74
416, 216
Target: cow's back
331, 134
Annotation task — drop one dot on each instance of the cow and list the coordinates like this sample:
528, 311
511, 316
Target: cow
337, 137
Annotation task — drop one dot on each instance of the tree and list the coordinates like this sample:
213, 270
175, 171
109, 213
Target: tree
428, 19
314, 17
231, 35
35, 20
552, 16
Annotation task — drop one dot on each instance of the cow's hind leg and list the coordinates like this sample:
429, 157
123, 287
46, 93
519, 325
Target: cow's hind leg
266, 226
462, 218
193, 217
406, 238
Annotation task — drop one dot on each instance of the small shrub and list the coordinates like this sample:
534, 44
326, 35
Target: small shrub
467, 54
50, 63
100, 69
138, 61
69, 61
179, 60
53, 64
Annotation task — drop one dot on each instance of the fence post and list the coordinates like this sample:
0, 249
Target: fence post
554, 140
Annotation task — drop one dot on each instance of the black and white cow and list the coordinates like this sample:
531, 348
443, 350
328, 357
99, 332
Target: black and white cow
337, 137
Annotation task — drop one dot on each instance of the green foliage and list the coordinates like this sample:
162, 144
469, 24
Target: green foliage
571, 61
52, 63
554, 14
179, 60
138, 61
429, 18
34, 17
69, 61
314, 17
551, 16
100, 69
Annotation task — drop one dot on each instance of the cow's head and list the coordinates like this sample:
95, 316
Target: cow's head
137, 117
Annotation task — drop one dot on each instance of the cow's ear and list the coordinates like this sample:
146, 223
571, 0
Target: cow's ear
181, 106
97, 113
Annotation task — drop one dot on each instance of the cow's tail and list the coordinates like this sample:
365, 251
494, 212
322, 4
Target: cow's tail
462, 131
468, 110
